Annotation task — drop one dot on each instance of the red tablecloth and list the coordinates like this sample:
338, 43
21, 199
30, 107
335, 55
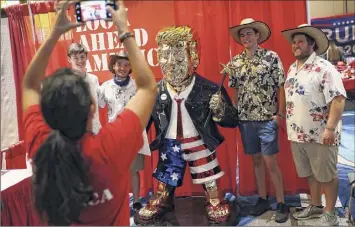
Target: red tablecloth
349, 84
17, 207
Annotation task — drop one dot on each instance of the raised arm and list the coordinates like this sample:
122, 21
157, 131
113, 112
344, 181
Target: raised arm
142, 103
31, 85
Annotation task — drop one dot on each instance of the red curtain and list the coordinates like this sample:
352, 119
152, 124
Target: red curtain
19, 209
22, 51
24, 42
23, 46
43, 17
279, 15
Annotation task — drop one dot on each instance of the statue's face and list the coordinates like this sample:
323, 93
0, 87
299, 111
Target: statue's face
175, 62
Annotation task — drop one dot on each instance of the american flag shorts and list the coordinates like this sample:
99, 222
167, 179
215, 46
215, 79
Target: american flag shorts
175, 154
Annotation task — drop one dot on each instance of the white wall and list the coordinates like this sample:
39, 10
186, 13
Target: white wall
9, 128
331, 8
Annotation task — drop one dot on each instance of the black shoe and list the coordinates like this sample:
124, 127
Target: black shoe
260, 207
282, 213
137, 206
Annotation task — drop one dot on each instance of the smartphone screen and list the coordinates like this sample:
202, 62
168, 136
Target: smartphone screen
93, 10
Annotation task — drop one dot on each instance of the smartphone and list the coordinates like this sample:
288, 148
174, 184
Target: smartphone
88, 10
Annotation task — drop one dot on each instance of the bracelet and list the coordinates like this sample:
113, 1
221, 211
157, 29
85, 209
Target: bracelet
125, 36
330, 129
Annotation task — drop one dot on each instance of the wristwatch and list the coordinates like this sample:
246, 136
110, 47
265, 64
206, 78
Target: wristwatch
125, 35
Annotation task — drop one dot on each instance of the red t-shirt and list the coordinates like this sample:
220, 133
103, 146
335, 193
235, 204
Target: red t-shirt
109, 155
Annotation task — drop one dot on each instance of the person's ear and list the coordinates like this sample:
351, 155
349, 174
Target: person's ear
257, 36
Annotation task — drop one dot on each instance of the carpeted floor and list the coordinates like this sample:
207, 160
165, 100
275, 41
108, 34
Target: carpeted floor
188, 214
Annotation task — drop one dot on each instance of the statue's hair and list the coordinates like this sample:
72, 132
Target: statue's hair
173, 34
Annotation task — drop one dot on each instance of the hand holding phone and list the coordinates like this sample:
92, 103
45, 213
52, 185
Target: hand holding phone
119, 16
62, 23
88, 10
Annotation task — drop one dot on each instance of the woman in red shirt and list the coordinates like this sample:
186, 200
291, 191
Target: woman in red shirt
80, 178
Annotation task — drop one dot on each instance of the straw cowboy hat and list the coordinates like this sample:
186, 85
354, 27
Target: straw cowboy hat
318, 35
122, 54
261, 27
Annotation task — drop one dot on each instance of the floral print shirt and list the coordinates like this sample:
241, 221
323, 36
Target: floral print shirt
257, 80
309, 93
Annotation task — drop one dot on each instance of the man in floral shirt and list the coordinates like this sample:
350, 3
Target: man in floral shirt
257, 75
315, 99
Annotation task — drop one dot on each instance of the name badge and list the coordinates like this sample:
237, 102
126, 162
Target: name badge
163, 97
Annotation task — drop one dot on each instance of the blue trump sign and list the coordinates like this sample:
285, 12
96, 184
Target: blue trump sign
341, 29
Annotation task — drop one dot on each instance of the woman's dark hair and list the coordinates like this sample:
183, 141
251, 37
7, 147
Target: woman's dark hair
60, 182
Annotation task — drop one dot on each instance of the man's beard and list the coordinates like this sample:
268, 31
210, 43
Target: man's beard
303, 56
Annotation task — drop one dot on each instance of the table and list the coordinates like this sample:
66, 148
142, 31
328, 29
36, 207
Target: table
349, 84
17, 207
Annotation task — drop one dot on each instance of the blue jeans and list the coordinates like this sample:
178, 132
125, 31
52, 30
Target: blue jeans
259, 136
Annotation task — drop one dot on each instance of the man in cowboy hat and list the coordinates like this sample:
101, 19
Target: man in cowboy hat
258, 79
315, 98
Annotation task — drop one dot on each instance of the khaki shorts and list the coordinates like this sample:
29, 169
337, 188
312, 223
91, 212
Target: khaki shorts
315, 159
138, 163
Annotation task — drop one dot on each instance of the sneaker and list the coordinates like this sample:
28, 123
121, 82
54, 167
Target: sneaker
260, 207
308, 213
282, 213
327, 219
